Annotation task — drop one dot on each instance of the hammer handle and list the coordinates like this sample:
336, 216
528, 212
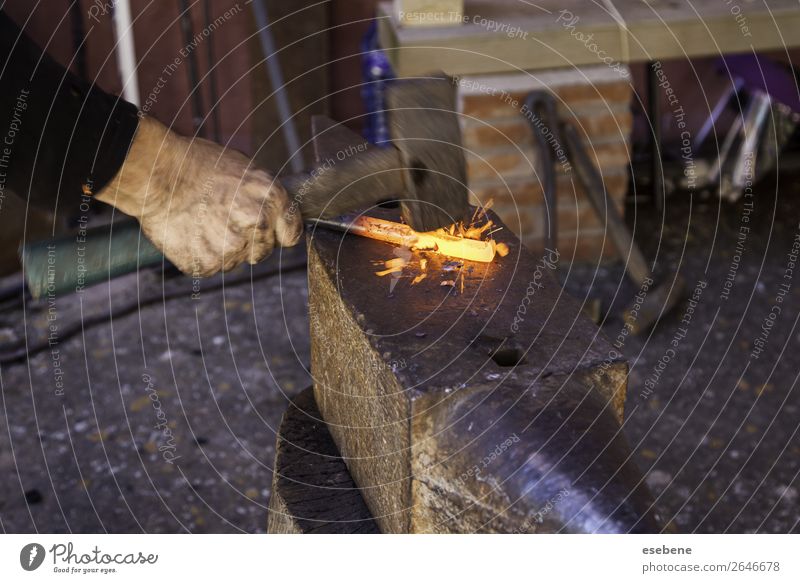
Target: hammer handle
636, 264
69, 263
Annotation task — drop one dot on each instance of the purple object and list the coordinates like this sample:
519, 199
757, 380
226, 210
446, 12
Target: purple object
377, 72
760, 73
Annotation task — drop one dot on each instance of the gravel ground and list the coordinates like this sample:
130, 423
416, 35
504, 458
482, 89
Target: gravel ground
163, 419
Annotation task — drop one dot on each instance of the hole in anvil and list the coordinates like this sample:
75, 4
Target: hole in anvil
507, 356
505, 352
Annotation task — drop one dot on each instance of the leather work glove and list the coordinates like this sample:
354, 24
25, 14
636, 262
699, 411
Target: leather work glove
205, 207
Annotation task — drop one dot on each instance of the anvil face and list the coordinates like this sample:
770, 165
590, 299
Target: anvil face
446, 336
418, 382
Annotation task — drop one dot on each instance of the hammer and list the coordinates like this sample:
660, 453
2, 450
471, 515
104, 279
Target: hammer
423, 167
660, 298
425, 161
548, 129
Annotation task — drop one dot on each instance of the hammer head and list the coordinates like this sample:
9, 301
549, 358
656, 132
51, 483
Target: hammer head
423, 167
425, 130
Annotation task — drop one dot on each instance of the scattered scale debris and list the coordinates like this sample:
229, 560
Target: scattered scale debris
473, 242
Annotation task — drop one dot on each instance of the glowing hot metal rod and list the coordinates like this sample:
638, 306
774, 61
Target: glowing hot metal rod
438, 241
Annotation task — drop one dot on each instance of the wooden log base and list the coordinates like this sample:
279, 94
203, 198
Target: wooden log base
312, 490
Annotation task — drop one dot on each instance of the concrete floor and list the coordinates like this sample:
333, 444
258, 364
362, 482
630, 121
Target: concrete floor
217, 370
716, 430
164, 418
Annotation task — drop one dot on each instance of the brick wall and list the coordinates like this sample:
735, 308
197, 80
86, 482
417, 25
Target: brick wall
503, 162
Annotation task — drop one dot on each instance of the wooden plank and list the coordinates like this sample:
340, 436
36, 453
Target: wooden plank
550, 38
429, 12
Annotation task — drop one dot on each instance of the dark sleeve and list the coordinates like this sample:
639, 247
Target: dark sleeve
57, 132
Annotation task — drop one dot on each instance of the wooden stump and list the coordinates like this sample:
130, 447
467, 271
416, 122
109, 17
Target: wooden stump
312, 491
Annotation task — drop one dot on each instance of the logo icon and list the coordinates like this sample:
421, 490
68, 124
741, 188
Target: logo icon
31, 556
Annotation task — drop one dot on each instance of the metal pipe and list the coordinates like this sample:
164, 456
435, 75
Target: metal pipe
276, 79
713, 118
126, 52
212, 77
193, 68
657, 168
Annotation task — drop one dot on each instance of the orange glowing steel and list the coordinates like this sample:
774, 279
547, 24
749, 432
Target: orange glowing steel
439, 241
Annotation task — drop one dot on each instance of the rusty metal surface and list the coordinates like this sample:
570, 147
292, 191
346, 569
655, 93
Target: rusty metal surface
398, 369
446, 338
545, 459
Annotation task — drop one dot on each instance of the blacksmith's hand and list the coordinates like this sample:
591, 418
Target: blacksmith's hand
205, 207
